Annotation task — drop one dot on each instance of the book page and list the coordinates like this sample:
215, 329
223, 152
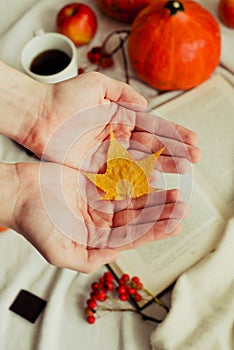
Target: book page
208, 110
159, 263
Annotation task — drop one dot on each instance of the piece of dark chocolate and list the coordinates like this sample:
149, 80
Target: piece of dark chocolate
28, 305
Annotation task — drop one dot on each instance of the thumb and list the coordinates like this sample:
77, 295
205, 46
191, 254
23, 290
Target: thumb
118, 91
99, 257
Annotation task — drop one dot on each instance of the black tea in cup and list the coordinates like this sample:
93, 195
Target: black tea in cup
50, 62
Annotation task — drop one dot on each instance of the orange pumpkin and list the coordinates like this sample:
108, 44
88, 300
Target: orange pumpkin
174, 45
122, 10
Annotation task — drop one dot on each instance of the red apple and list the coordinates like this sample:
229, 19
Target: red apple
78, 22
226, 12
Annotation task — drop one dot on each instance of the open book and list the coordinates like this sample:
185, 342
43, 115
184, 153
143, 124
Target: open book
207, 109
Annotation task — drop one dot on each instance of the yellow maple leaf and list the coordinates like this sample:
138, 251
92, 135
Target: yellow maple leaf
124, 176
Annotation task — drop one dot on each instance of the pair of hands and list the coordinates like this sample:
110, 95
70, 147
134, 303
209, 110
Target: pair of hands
58, 210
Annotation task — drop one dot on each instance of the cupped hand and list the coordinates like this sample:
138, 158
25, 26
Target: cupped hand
62, 215
75, 120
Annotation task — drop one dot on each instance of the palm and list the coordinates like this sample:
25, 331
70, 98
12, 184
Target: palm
79, 114
42, 216
75, 229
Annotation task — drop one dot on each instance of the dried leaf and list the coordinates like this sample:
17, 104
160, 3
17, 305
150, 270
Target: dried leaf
124, 176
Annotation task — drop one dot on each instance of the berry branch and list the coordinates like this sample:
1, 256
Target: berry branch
104, 58
123, 40
125, 62
126, 288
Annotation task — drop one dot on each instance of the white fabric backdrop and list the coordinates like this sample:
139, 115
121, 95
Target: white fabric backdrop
62, 325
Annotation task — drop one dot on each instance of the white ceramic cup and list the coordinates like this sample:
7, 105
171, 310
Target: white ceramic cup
50, 41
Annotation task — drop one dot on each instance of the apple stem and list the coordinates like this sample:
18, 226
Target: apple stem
74, 11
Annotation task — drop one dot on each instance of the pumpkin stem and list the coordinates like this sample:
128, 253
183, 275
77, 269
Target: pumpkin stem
174, 6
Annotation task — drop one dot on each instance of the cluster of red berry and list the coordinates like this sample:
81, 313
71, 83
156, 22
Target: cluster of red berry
103, 57
129, 288
125, 288
100, 57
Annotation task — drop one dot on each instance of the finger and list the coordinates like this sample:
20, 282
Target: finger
176, 210
118, 91
156, 232
174, 148
165, 164
148, 200
156, 124
173, 165
87, 261
98, 258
